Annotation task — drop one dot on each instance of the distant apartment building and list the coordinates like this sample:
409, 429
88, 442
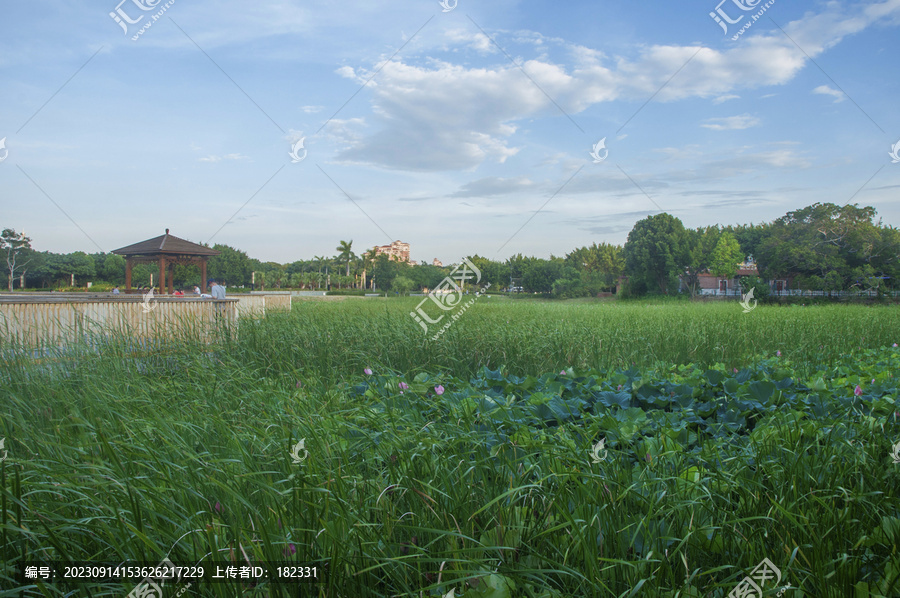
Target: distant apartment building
437, 262
397, 250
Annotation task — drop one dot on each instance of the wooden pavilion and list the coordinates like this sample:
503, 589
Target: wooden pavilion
168, 250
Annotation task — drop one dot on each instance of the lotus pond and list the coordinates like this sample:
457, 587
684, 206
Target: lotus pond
538, 449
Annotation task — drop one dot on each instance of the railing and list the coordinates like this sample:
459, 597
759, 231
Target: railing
35, 319
736, 293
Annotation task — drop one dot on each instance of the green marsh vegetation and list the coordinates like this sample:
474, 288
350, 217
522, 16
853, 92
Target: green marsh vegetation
474, 462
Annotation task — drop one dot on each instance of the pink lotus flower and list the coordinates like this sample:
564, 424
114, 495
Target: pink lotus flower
367, 372
299, 384
777, 353
562, 372
648, 458
289, 550
735, 370
895, 344
403, 386
857, 391
439, 390
619, 387
873, 380
218, 508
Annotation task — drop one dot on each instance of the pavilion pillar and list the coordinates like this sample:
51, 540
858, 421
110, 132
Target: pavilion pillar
128, 266
162, 275
203, 275
171, 269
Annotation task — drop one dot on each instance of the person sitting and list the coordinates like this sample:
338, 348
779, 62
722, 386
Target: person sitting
217, 290
179, 293
196, 290
115, 290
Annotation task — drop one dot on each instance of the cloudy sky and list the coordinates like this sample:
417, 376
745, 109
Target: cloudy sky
461, 129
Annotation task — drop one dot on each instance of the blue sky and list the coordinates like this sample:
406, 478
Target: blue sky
474, 121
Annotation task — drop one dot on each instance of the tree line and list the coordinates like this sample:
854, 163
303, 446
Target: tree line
820, 247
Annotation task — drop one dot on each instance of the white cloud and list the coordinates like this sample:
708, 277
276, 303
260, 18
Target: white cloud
347, 131
446, 116
475, 40
836, 94
213, 158
729, 123
494, 186
725, 98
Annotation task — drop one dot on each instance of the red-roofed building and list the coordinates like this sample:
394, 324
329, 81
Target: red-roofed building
710, 284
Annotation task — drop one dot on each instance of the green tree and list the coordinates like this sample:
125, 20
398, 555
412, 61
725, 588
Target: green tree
345, 254
48, 268
701, 243
367, 263
492, 272
819, 239
609, 261
749, 236
15, 247
231, 266
33, 262
402, 285
726, 257
78, 264
539, 275
833, 282
599, 267
12, 245
141, 274
655, 253
760, 287
385, 270
427, 276
114, 269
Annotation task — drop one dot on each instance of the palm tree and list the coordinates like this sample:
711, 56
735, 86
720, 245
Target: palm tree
345, 254
367, 258
320, 259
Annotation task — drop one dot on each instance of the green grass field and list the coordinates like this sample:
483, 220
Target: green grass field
473, 463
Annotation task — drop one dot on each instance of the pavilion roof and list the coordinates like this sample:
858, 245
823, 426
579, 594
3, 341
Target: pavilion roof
166, 245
